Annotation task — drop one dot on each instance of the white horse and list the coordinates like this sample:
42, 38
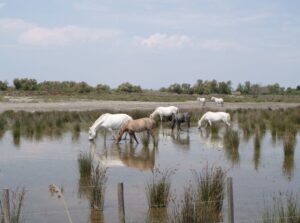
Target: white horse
164, 111
108, 121
211, 117
218, 100
201, 100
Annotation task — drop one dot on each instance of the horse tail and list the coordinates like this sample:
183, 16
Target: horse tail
228, 118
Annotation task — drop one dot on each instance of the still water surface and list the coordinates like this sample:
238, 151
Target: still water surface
257, 175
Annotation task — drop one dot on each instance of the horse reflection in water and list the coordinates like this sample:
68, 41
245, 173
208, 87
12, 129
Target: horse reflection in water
178, 139
126, 154
210, 139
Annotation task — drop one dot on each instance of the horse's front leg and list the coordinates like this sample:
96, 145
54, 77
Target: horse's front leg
133, 134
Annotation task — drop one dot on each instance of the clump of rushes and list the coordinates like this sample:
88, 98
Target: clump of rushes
85, 163
158, 188
203, 202
145, 138
231, 143
17, 203
285, 209
98, 186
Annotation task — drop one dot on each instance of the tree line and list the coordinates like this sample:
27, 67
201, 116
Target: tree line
200, 87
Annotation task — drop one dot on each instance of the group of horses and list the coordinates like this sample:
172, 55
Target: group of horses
123, 123
216, 100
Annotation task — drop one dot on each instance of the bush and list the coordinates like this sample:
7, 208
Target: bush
129, 88
3, 85
25, 84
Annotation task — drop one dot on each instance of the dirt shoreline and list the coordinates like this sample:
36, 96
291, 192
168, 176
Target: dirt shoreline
133, 105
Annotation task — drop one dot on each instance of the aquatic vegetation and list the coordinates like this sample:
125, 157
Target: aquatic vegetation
98, 185
158, 188
16, 205
231, 143
285, 208
85, 163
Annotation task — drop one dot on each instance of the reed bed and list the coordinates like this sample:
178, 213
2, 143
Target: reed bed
231, 144
203, 202
158, 187
285, 209
98, 185
85, 164
17, 202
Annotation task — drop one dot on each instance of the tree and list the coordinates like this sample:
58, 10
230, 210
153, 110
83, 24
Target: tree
101, 88
25, 84
129, 88
3, 85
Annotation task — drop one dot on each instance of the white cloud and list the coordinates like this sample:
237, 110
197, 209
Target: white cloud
41, 36
159, 40
15, 24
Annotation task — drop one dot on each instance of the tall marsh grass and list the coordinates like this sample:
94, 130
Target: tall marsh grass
203, 202
158, 188
285, 209
231, 142
85, 163
98, 186
16, 205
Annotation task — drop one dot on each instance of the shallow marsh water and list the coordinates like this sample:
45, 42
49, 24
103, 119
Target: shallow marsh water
258, 173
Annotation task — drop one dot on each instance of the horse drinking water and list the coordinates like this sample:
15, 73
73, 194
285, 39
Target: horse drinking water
164, 111
137, 125
211, 117
179, 118
108, 121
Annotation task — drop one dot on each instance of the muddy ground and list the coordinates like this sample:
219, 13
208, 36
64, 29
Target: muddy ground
131, 105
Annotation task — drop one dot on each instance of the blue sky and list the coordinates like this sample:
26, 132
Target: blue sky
152, 43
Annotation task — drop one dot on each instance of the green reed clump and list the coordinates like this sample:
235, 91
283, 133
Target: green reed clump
210, 187
283, 210
145, 138
158, 188
231, 142
17, 203
85, 163
185, 210
257, 145
98, 185
202, 203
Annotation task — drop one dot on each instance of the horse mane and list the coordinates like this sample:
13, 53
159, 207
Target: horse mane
99, 121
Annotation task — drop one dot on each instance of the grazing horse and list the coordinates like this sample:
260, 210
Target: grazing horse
108, 121
137, 125
164, 111
211, 117
179, 118
218, 100
201, 100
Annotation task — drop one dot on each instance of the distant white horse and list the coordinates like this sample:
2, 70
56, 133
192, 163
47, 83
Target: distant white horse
201, 100
164, 111
218, 100
211, 117
108, 121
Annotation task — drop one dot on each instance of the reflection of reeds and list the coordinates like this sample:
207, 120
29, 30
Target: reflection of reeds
85, 163
17, 203
231, 144
158, 188
282, 211
98, 186
256, 156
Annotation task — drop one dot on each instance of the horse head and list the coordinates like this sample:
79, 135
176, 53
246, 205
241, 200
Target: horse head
92, 134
